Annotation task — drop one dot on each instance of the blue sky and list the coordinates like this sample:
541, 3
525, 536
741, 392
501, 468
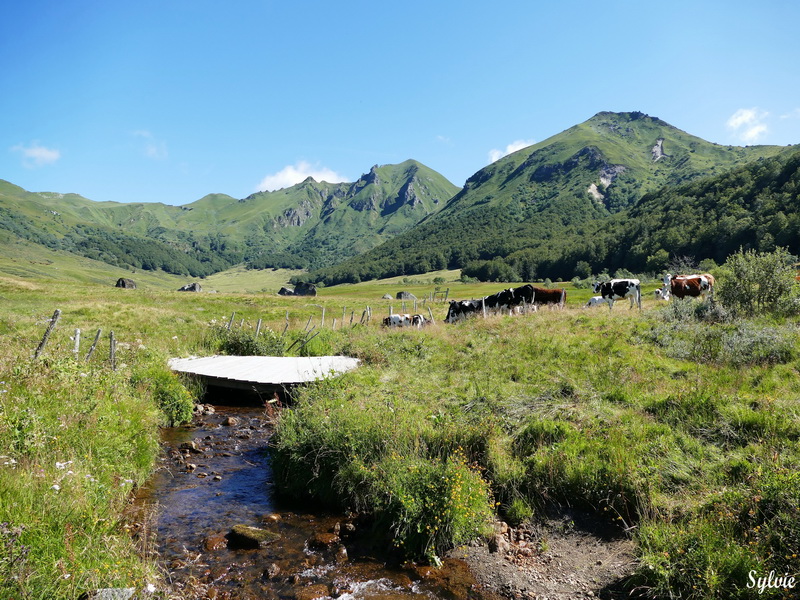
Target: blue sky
169, 100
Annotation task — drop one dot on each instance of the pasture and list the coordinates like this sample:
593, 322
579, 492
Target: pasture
680, 429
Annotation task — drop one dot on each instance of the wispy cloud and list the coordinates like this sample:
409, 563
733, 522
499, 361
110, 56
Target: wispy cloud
748, 124
35, 155
153, 148
792, 114
292, 174
495, 155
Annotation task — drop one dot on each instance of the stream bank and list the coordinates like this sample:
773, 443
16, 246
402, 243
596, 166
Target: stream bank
220, 532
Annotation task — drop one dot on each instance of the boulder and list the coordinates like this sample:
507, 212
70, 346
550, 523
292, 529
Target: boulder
387, 297
247, 537
284, 291
124, 282
305, 289
406, 296
191, 287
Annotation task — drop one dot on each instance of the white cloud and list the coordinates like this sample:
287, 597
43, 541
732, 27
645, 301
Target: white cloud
35, 155
748, 124
293, 174
794, 114
495, 155
153, 148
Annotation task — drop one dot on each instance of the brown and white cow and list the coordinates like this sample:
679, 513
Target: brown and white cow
689, 286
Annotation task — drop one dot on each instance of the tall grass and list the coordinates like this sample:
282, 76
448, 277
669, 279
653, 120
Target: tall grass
680, 424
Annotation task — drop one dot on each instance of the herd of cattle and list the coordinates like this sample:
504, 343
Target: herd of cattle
529, 298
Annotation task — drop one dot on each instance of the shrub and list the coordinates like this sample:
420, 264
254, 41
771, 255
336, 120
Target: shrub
759, 282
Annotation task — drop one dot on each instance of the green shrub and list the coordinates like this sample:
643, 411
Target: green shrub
518, 512
759, 282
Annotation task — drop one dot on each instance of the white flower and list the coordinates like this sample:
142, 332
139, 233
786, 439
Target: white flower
64, 465
55, 487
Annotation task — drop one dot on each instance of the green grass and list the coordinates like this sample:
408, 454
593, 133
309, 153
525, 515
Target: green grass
694, 454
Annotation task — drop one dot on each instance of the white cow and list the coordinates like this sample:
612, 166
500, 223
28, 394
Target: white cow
594, 301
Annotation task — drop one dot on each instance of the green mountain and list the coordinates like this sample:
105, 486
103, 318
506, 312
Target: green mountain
515, 219
309, 224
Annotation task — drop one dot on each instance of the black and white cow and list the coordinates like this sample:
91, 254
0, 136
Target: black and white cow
619, 289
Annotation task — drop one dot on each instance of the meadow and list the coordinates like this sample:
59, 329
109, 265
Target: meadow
680, 424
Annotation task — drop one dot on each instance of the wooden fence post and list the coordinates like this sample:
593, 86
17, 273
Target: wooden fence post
230, 323
94, 345
112, 353
77, 347
50, 327
322, 323
430, 313
258, 327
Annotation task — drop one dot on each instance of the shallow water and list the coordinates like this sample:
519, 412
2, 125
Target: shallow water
216, 475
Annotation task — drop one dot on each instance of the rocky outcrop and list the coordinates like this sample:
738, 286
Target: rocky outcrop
191, 287
658, 150
124, 282
301, 289
405, 296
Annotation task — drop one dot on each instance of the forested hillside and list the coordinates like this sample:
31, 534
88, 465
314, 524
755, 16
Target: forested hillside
311, 224
541, 211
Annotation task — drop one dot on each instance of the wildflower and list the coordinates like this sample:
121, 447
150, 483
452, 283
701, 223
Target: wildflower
55, 487
61, 466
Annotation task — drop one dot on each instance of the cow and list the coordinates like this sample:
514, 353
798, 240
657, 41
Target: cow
397, 321
461, 309
557, 296
619, 289
692, 286
662, 294
594, 301
418, 321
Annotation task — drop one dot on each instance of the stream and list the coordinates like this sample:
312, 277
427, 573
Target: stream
215, 482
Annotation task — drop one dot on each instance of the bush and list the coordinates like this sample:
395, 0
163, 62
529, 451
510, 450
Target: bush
760, 282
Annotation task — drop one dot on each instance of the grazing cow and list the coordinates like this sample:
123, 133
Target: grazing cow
461, 309
594, 301
418, 321
557, 296
397, 321
692, 286
619, 289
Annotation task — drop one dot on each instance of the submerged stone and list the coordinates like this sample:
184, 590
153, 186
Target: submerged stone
248, 537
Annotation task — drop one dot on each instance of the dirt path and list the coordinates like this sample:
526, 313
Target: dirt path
566, 557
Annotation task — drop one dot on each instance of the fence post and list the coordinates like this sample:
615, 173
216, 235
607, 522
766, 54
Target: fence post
77, 347
230, 323
94, 345
258, 327
47, 333
322, 323
112, 353
430, 313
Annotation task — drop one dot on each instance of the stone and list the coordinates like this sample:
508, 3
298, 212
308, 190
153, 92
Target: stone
272, 571
230, 422
215, 542
247, 537
312, 592
498, 544
109, 594
323, 541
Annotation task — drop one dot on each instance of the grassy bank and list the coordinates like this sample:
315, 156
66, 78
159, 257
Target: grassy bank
683, 433
679, 426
